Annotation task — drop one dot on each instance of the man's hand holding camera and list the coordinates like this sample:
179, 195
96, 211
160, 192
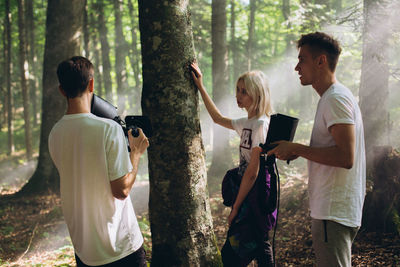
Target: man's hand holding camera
284, 150
138, 144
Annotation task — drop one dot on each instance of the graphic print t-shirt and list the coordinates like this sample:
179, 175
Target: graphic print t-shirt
252, 132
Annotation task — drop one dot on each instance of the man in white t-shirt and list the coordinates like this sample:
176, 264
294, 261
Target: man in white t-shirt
336, 154
96, 175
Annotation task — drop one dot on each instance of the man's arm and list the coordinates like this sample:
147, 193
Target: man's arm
121, 187
339, 155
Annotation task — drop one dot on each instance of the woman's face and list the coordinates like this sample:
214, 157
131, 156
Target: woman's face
242, 97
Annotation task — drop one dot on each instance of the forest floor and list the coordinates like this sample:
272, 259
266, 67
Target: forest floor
33, 232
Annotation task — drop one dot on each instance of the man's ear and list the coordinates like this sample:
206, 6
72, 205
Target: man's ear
91, 85
322, 60
62, 91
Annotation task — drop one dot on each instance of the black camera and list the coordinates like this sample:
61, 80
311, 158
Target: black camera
104, 109
281, 127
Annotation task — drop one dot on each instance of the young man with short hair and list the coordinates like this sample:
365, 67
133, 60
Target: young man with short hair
96, 175
336, 154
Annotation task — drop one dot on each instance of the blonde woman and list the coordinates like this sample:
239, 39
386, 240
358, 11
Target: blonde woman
248, 226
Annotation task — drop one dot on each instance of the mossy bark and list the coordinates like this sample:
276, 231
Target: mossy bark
180, 215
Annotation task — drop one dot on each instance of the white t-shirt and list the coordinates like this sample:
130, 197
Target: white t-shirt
252, 132
335, 193
89, 152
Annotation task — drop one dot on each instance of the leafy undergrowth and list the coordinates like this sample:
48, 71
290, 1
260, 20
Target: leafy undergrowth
33, 233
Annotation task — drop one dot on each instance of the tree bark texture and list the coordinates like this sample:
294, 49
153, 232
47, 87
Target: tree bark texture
24, 71
180, 216
7, 70
374, 84
63, 34
221, 157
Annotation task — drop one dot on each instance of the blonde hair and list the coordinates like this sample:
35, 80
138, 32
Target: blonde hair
257, 88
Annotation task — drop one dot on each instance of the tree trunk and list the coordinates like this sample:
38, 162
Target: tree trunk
63, 30
286, 15
233, 46
120, 55
7, 70
86, 33
105, 49
180, 215
24, 84
135, 58
32, 60
250, 41
374, 84
382, 204
221, 157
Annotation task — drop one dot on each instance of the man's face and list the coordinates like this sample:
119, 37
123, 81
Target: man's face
307, 66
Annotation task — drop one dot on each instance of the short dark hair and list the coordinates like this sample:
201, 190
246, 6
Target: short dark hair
74, 75
322, 43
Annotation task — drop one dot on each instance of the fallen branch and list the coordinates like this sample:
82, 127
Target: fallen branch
30, 242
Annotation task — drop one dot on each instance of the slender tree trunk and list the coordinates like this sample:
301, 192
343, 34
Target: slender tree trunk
105, 49
222, 158
180, 216
86, 33
63, 37
135, 57
374, 83
120, 55
250, 41
98, 75
234, 46
24, 84
32, 60
286, 16
7, 70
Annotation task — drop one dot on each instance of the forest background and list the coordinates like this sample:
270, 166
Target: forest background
229, 37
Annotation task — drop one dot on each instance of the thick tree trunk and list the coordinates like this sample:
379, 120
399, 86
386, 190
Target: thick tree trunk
7, 70
24, 79
180, 215
63, 30
221, 157
135, 57
374, 84
105, 49
120, 55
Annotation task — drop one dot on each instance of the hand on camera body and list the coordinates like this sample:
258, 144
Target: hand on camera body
284, 150
138, 144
